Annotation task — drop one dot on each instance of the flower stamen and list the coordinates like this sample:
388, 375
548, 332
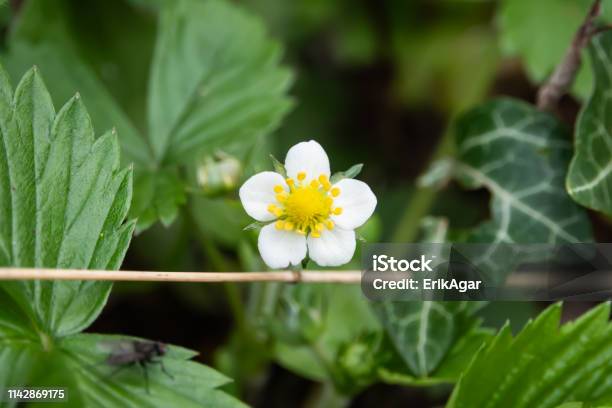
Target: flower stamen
307, 206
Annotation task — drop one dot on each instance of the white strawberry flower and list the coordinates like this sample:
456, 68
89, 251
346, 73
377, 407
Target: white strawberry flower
306, 212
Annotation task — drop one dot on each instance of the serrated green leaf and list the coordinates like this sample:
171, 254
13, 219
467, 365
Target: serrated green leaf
78, 363
544, 365
589, 180
65, 197
540, 32
215, 79
158, 195
520, 155
70, 75
189, 384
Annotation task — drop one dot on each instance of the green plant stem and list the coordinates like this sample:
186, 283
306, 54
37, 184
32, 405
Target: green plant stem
326, 395
219, 263
231, 290
421, 201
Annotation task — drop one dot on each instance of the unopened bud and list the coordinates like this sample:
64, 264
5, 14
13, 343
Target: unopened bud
219, 173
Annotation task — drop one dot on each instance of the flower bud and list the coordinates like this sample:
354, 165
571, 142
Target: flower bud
219, 173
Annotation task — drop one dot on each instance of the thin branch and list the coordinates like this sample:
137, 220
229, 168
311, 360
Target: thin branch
565, 73
210, 277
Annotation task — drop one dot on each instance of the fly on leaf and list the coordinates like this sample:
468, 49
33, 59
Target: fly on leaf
142, 353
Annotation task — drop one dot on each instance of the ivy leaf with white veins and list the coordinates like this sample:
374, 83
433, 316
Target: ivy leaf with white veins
215, 79
63, 202
589, 180
520, 155
424, 332
544, 366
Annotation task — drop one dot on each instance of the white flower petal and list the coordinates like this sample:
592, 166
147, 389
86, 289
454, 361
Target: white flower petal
257, 193
357, 202
279, 248
308, 157
332, 248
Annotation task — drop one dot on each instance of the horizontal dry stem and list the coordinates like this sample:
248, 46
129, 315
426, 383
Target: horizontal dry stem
145, 276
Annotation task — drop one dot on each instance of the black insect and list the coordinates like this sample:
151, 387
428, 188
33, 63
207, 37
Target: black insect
142, 353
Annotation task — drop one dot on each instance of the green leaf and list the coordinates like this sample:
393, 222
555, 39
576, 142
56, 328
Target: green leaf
424, 332
352, 172
78, 363
278, 166
189, 384
70, 75
540, 32
455, 361
158, 195
373, 357
341, 325
64, 199
520, 155
215, 79
544, 365
20, 346
215, 82
589, 180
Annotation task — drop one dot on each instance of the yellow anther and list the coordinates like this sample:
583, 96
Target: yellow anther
301, 176
278, 212
337, 210
319, 227
279, 225
301, 231
281, 198
315, 234
323, 179
335, 192
291, 184
288, 226
314, 184
272, 208
278, 189
329, 224
329, 201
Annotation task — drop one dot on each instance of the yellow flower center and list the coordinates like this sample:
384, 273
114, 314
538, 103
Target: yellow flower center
306, 207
